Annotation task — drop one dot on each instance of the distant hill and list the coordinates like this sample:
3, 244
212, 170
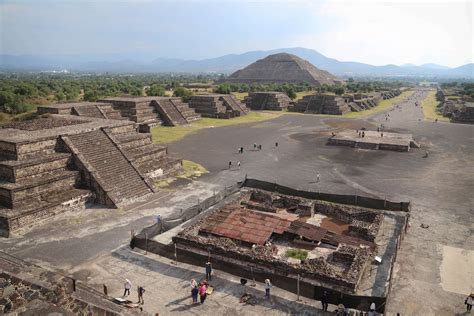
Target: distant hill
223, 64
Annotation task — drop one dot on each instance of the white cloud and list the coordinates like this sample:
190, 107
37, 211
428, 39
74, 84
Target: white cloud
395, 32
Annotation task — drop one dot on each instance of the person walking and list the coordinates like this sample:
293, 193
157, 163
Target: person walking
230, 164
126, 287
254, 146
202, 292
238, 165
140, 291
469, 301
325, 300
268, 287
318, 177
208, 271
276, 144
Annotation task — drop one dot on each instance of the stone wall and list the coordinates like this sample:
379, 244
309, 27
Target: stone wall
28, 288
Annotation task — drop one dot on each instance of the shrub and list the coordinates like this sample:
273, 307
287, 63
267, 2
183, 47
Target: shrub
297, 254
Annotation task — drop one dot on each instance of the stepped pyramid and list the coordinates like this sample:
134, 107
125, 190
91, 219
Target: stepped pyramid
283, 68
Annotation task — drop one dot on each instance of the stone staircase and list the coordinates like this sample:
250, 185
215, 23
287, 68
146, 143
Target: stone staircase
110, 113
150, 159
188, 113
235, 105
89, 110
114, 178
168, 112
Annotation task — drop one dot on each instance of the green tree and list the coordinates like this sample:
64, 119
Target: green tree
183, 93
339, 90
155, 90
223, 88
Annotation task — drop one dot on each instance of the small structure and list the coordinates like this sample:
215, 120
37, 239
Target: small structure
273, 101
217, 105
374, 140
59, 162
145, 111
463, 113
322, 104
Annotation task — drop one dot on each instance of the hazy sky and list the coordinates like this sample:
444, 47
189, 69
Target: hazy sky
366, 31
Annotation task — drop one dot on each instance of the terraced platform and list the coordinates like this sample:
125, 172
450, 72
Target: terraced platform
374, 140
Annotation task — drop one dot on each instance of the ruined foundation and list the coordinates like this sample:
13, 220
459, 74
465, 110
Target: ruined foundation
374, 140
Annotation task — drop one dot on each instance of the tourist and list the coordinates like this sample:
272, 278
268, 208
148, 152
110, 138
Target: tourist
230, 164
241, 150
268, 286
259, 147
254, 146
318, 177
126, 287
193, 283
105, 290
140, 290
469, 301
276, 144
194, 293
325, 300
238, 164
209, 266
363, 134
381, 134
202, 292
372, 311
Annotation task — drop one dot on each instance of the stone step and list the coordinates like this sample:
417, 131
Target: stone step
14, 170
110, 165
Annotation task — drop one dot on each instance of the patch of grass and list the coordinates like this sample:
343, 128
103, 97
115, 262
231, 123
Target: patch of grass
240, 95
300, 95
191, 170
383, 105
165, 135
299, 254
429, 105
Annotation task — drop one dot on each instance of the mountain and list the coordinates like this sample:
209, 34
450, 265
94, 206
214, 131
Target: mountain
281, 68
223, 64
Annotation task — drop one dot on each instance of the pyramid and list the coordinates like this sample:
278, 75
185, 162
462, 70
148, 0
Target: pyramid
283, 68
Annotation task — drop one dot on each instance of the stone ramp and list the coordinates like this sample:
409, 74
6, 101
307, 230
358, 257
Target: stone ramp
108, 167
169, 112
235, 105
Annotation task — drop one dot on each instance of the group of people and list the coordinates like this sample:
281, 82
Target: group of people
199, 289
140, 291
240, 150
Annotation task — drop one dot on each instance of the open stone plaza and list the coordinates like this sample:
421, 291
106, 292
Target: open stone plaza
392, 227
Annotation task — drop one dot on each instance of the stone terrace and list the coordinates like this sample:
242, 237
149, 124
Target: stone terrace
61, 162
217, 105
274, 101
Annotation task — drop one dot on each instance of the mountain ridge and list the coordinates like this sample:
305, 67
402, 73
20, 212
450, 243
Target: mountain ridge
223, 64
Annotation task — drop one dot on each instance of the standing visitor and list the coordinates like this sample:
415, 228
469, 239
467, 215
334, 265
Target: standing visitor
208, 271
325, 300
194, 293
126, 287
230, 164
238, 165
141, 290
469, 302
268, 286
276, 144
202, 292
318, 177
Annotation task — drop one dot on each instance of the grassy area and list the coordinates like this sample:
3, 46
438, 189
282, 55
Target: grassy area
5, 118
164, 135
191, 169
240, 95
429, 105
382, 106
299, 254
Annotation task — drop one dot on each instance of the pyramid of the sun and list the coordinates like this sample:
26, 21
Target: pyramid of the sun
283, 68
